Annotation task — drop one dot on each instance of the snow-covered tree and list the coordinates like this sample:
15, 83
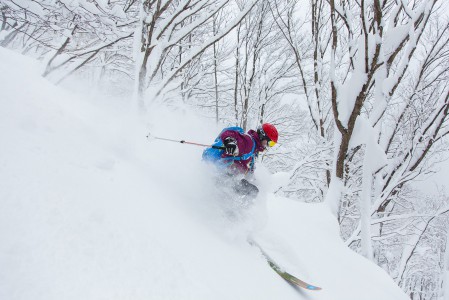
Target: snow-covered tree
67, 34
175, 30
307, 42
380, 69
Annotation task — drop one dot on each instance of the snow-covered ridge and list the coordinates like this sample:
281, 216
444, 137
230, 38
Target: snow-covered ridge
91, 210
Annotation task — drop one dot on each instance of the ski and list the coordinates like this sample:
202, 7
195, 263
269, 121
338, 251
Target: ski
290, 278
285, 275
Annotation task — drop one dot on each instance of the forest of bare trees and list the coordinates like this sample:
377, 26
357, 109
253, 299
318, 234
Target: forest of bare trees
358, 89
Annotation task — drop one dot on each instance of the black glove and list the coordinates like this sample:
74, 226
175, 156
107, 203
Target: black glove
230, 144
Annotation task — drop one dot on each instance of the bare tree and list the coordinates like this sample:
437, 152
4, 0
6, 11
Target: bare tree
308, 46
165, 25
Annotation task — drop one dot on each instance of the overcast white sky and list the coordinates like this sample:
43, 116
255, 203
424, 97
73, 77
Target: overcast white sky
434, 182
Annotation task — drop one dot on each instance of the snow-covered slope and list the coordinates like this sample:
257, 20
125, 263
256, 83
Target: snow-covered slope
89, 209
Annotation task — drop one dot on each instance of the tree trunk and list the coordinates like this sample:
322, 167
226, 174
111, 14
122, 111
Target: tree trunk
215, 74
445, 277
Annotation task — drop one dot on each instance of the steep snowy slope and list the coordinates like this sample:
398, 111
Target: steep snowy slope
89, 209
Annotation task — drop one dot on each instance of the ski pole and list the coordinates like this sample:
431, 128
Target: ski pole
149, 136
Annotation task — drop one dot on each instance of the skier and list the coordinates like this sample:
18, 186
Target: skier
239, 154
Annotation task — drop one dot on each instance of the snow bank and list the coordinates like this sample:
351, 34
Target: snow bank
304, 239
92, 210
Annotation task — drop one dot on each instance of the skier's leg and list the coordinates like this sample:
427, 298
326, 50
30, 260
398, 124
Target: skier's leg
245, 188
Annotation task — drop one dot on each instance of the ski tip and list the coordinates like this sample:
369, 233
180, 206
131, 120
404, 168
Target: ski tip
313, 288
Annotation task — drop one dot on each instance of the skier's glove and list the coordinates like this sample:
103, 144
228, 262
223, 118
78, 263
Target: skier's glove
230, 144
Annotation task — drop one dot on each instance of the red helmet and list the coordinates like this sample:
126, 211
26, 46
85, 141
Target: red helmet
270, 131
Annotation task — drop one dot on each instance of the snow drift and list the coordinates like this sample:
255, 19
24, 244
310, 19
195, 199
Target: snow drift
92, 210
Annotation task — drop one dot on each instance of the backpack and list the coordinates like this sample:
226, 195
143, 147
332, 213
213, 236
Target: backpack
214, 155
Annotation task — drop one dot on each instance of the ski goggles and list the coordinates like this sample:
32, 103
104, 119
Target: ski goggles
271, 143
